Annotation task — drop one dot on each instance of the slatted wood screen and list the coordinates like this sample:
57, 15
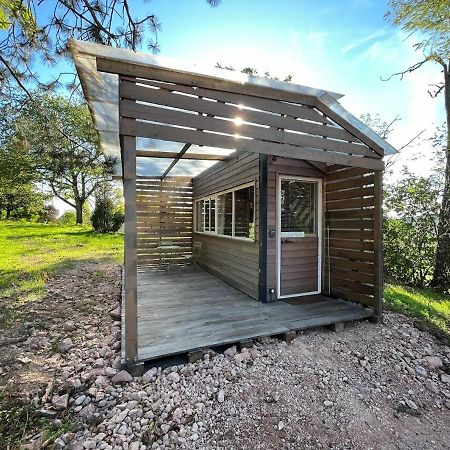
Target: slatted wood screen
350, 255
164, 220
174, 111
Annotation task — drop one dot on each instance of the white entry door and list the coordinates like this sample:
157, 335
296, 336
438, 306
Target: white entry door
299, 237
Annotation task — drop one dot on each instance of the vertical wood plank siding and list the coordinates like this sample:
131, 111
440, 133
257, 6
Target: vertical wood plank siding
280, 166
164, 217
353, 208
233, 260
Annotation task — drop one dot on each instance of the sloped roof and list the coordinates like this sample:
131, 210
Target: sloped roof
101, 90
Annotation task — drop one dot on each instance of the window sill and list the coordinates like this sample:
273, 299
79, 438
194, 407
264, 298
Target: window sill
223, 236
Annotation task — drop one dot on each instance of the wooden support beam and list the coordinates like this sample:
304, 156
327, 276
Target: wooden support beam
172, 164
130, 263
337, 327
378, 243
171, 155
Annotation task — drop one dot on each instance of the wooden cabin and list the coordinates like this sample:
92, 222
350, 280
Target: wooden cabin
252, 206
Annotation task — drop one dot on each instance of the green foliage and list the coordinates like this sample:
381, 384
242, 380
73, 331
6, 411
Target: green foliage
252, 71
30, 252
431, 308
57, 143
123, 24
48, 214
22, 201
431, 18
106, 218
410, 229
16, 11
67, 218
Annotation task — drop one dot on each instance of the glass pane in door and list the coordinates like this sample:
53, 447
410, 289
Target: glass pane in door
298, 207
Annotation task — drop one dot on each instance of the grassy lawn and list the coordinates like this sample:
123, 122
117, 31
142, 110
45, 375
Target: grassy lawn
30, 252
430, 308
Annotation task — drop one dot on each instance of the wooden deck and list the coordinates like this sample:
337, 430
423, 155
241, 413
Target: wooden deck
189, 310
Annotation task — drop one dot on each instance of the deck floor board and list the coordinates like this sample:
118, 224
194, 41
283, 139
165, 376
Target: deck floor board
188, 310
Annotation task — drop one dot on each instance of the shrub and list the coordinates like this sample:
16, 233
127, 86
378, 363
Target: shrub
68, 218
410, 229
409, 250
106, 218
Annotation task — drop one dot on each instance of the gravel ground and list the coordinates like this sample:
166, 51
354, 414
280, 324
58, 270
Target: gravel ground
384, 386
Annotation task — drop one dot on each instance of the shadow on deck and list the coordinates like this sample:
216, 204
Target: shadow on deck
188, 310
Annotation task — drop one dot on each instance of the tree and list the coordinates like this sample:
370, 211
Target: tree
384, 129
105, 218
65, 152
108, 22
108, 214
20, 196
252, 71
430, 19
21, 201
411, 228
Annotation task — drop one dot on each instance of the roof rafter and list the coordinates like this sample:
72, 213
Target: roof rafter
172, 164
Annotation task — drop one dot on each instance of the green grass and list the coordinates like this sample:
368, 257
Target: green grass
17, 419
430, 308
30, 252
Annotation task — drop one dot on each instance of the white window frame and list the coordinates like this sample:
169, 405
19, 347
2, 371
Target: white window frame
215, 198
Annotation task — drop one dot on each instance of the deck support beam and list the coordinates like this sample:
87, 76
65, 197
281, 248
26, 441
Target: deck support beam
130, 254
262, 275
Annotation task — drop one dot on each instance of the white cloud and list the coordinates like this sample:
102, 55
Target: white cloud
364, 40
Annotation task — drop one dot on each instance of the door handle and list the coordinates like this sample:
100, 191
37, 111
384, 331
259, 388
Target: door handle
286, 241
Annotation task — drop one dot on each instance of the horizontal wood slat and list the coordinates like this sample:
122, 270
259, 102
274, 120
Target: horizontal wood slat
350, 183
245, 101
170, 155
221, 125
188, 113
350, 256
131, 127
164, 220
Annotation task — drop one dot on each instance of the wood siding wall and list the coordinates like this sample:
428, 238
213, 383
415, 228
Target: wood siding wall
352, 211
280, 166
164, 216
233, 260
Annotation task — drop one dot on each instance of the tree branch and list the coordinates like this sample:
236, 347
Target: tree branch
60, 197
408, 70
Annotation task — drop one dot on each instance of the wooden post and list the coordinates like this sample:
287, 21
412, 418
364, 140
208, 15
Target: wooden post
378, 244
130, 263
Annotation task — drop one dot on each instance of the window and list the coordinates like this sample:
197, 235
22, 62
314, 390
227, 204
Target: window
244, 224
205, 216
298, 207
231, 213
225, 214
200, 215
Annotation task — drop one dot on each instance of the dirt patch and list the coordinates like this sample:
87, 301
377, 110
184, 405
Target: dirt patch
75, 307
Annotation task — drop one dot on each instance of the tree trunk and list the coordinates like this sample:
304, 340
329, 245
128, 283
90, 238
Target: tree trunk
441, 277
79, 211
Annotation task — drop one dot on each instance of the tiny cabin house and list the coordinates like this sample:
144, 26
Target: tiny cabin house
252, 206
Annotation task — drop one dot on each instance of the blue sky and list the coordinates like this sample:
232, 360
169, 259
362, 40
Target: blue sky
341, 45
